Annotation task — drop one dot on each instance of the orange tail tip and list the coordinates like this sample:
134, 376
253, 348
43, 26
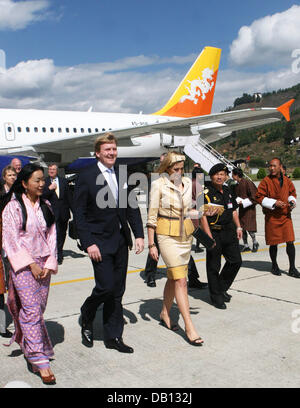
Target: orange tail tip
285, 109
194, 95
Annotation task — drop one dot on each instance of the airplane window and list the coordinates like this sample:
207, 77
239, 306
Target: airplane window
103, 130
27, 129
74, 130
19, 129
36, 129
9, 128
96, 130
59, 130
44, 129
51, 129
82, 130
67, 130
89, 130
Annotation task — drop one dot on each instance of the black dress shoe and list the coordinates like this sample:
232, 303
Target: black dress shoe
7, 334
118, 344
227, 297
275, 271
87, 334
219, 305
255, 247
197, 284
294, 273
245, 248
151, 282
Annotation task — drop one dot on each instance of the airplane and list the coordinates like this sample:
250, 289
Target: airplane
64, 136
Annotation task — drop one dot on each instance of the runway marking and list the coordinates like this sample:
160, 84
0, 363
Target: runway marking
265, 296
159, 267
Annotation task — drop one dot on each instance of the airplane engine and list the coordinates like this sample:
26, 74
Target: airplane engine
143, 146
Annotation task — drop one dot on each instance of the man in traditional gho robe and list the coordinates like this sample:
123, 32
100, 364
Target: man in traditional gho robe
245, 191
277, 195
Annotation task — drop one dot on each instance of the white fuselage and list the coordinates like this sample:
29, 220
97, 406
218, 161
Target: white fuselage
20, 129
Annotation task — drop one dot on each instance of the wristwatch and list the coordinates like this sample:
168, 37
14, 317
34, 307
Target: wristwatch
151, 246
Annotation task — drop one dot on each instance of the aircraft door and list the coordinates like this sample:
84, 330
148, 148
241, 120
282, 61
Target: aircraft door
9, 131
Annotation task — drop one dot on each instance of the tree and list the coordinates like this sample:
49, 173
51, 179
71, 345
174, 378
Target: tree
296, 173
261, 174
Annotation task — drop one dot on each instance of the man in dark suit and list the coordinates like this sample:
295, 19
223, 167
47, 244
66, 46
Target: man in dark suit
57, 191
102, 225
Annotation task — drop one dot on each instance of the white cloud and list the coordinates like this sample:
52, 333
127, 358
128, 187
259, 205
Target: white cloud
111, 86
29, 78
18, 15
120, 86
268, 41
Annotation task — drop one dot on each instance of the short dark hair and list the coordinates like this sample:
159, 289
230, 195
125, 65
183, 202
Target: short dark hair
238, 172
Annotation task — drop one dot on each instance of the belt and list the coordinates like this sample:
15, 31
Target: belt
170, 218
167, 217
216, 227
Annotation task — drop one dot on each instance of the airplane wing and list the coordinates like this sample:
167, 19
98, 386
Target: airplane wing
211, 127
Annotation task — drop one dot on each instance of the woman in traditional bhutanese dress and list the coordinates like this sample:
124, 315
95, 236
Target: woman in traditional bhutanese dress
9, 176
29, 240
168, 215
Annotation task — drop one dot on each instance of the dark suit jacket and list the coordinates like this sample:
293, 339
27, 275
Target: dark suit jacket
101, 226
60, 206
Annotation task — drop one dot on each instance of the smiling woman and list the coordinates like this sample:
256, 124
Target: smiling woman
29, 240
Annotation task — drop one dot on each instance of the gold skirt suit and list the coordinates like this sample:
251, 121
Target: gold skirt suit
167, 214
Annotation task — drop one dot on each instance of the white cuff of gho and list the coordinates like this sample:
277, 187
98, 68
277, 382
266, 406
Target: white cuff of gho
239, 200
292, 198
268, 203
246, 202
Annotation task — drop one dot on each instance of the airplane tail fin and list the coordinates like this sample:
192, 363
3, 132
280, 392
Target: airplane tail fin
285, 109
194, 96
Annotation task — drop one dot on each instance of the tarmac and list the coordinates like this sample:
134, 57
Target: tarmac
254, 343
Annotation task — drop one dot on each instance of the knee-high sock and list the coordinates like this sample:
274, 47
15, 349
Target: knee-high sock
253, 237
245, 237
290, 250
273, 255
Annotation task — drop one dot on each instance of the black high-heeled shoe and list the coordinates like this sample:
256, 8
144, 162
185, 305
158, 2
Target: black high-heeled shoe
174, 326
195, 342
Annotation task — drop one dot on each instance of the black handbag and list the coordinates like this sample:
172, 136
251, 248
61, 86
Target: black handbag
203, 238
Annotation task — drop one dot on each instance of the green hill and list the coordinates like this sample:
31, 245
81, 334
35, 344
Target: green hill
263, 143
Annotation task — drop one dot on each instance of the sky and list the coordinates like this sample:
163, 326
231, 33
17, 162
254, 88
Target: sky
130, 56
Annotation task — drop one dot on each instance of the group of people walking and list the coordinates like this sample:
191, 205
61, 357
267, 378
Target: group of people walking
32, 247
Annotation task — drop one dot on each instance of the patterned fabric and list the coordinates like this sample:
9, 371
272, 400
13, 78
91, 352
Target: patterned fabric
247, 189
2, 279
37, 241
27, 300
27, 296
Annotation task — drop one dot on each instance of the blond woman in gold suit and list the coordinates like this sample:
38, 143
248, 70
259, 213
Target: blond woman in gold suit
169, 211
